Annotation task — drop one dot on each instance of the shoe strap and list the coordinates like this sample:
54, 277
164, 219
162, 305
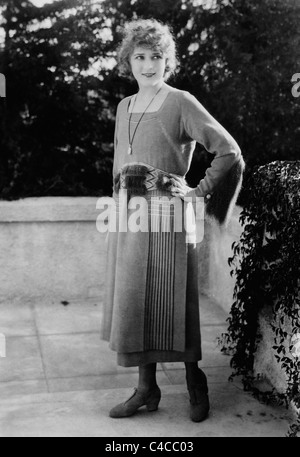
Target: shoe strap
133, 395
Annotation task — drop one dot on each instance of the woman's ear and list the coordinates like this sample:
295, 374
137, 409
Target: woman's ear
167, 65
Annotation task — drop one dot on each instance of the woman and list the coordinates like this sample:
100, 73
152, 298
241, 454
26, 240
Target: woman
152, 307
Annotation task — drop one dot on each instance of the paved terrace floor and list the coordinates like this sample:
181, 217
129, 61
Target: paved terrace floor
60, 380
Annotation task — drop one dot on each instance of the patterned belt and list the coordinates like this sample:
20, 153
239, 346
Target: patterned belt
138, 179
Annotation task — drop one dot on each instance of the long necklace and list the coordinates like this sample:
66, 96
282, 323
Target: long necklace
140, 120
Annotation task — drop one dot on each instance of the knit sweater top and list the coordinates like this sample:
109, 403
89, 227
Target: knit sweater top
166, 139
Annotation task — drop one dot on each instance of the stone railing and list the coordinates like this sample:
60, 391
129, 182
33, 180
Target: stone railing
215, 280
50, 247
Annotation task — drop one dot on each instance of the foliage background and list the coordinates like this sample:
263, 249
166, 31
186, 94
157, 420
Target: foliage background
57, 122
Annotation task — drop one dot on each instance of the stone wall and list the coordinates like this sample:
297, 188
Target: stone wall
50, 247
215, 280
265, 365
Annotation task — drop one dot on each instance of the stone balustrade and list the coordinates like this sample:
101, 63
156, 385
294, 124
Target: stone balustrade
50, 247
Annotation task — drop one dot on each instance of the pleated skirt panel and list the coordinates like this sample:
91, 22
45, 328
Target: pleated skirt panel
152, 305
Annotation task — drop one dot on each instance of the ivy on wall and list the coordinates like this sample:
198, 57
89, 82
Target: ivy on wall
266, 264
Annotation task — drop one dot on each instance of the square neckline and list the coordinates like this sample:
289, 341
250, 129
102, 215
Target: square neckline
149, 112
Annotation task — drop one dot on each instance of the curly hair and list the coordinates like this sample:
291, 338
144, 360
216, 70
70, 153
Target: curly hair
150, 34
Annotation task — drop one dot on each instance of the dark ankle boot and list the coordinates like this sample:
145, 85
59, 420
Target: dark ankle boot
199, 399
137, 400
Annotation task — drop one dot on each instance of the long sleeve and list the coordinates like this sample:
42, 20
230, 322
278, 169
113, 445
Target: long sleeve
200, 126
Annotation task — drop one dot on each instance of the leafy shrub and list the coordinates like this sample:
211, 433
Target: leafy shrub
266, 263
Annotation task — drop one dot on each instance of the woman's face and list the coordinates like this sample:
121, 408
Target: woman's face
148, 66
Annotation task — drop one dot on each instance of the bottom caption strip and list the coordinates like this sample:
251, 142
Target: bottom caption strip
138, 447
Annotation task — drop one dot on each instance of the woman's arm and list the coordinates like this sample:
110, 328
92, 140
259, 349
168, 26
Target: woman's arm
223, 179
202, 127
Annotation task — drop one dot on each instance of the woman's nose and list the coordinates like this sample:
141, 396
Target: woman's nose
148, 65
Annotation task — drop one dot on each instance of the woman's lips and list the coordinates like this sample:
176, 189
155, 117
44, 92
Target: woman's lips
148, 75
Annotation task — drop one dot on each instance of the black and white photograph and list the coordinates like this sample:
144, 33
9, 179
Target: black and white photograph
150, 221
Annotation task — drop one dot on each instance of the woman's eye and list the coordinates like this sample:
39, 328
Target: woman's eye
157, 57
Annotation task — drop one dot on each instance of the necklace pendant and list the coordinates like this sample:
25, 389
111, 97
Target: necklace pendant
129, 150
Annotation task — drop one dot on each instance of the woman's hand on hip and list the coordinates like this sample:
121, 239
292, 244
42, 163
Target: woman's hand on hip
180, 189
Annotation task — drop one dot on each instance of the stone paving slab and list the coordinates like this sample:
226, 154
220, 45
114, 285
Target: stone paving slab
76, 317
14, 388
85, 414
17, 319
23, 360
60, 379
105, 381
